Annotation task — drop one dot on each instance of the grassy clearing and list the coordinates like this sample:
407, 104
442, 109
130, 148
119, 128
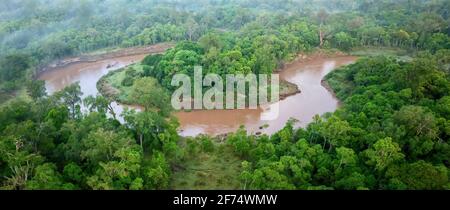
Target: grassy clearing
104, 51
401, 54
112, 87
216, 168
111, 84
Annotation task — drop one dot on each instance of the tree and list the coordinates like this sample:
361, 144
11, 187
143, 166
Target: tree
355, 181
269, 178
300, 170
101, 145
47, 178
322, 17
13, 67
148, 93
344, 40
418, 175
192, 29
345, 157
157, 174
99, 104
73, 173
119, 174
401, 37
36, 89
152, 60
150, 68
148, 126
438, 41
242, 144
420, 127
265, 63
443, 106
209, 41
245, 175
384, 153
71, 97
20, 165
335, 132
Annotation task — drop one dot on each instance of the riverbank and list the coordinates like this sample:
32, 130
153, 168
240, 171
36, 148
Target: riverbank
304, 73
370, 51
104, 55
112, 88
111, 85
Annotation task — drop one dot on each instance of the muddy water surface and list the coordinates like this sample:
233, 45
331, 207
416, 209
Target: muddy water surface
86, 73
313, 99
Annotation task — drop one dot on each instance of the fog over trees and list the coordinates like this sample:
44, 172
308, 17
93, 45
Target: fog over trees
391, 132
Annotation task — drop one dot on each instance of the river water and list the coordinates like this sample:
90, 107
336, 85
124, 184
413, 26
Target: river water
313, 99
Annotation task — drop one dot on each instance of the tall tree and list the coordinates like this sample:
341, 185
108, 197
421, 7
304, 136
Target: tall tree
384, 153
71, 97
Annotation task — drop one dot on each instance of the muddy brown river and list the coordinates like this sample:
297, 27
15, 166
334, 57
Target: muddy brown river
308, 74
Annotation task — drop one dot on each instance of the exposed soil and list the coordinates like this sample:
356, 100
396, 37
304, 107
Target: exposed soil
91, 58
304, 73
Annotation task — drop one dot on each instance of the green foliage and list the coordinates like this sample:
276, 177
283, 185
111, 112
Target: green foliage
157, 173
36, 89
215, 168
344, 41
71, 97
384, 153
73, 173
102, 145
383, 137
13, 69
127, 81
391, 132
46, 177
148, 93
418, 175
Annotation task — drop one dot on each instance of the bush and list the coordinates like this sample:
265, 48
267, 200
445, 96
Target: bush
207, 144
131, 72
152, 60
128, 81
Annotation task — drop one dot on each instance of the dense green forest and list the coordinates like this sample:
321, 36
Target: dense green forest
34, 33
392, 131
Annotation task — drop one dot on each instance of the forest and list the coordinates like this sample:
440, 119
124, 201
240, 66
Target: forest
392, 131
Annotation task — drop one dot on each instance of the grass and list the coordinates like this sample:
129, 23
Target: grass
217, 169
399, 53
104, 51
114, 79
288, 89
338, 84
111, 85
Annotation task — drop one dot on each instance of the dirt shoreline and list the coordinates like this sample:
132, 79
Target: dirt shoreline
313, 66
109, 91
112, 93
305, 57
90, 58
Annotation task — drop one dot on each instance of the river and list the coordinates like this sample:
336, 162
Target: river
307, 74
